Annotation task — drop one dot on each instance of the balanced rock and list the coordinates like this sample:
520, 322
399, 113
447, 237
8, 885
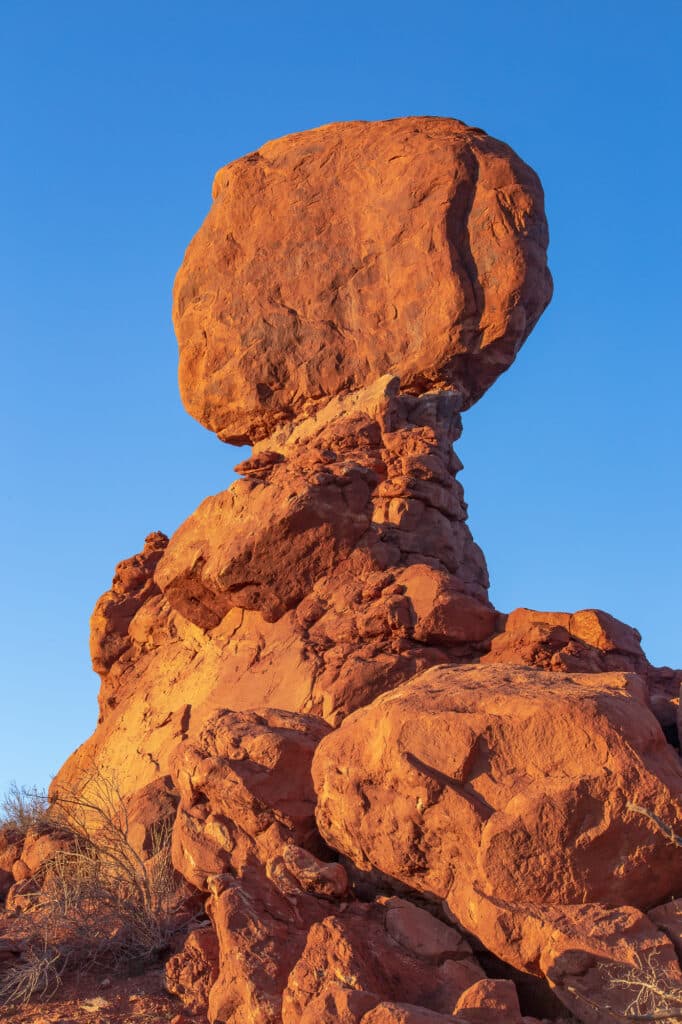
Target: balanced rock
365, 764
415, 247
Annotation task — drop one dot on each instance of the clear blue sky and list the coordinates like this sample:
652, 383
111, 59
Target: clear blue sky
115, 117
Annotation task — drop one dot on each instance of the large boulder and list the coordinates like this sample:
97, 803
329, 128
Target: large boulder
415, 247
510, 794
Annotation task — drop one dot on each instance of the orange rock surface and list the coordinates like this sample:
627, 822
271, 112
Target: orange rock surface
377, 783
415, 247
508, 792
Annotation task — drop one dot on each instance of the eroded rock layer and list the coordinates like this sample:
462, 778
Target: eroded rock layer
395, 804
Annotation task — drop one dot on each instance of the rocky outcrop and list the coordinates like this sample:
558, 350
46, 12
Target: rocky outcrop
378, 784
192, 973
246, 794
586, 641
359, 955
339, 566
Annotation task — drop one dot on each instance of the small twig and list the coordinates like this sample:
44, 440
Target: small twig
662, 825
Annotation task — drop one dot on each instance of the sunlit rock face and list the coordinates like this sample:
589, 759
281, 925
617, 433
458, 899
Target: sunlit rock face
376, 780
415, 247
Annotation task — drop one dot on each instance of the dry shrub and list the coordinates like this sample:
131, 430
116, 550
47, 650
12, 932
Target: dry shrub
24, 808
99, 903
656, 996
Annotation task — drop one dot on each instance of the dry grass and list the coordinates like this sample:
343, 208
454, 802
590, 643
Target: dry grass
656, 996
24, 808
99, 903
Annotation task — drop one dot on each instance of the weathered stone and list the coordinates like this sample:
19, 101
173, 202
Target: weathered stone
367, 948
508, 792
192, 972
415, 247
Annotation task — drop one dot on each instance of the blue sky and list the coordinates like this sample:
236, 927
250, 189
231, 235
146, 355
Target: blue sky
115, 118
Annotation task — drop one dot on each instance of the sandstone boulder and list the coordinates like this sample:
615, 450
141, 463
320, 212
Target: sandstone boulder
150, 814
489, 1001
41, 846
586, 641
415, 247
507, 792
668, 918
132, 585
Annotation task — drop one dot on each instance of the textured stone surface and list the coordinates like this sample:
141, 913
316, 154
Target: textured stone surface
415, 247
586, 641
151, 812
132, 585
371, 949
488, 1001
514, 780
246, 793
191, 973
506, 792
668, 917
302, 587
371, 477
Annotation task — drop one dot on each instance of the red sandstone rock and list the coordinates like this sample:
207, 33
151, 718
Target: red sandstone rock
192, 972
41, 846
489, 1000
411, 594
261, 933
20, 871
494, 785
21, 896
668, 918
336, 570
371, 949
151, 812
132, 585
246, 792
245, 817
586, 641
415, 247
370, 476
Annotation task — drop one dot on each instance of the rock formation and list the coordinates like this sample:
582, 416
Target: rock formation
414, 247
398, 804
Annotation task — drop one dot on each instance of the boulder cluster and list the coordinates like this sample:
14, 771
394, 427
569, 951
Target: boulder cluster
396, 804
